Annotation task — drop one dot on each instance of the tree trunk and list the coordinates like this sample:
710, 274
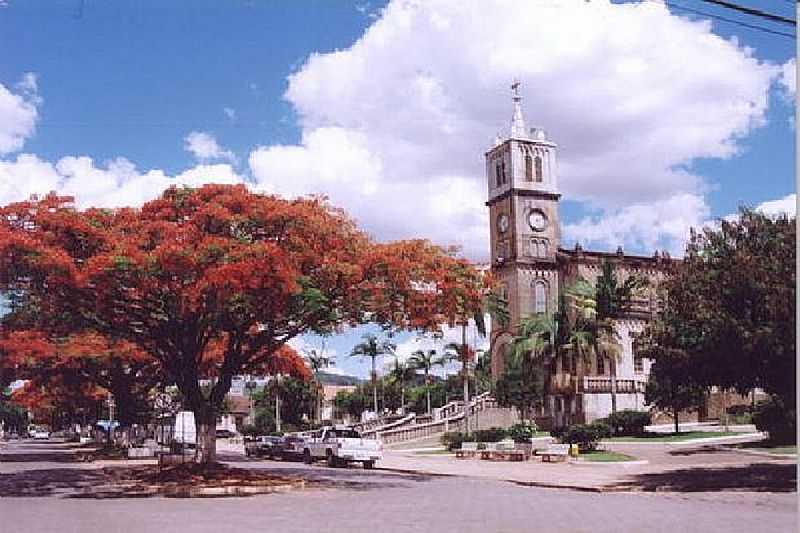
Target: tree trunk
403, 398
677, 428
428, 390
613, 385
205, 421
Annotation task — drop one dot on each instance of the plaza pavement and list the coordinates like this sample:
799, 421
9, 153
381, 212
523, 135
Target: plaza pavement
42, 489
685, 466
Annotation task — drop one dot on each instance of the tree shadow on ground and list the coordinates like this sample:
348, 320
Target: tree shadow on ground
703, 450
49, 481
117, 483
760, 477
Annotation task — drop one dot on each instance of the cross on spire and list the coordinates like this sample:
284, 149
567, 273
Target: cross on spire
517, 121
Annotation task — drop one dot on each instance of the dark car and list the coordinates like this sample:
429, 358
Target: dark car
292, 447
225, 434
264, 446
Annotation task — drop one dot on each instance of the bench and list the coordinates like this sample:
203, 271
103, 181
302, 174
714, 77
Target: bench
467, 450
554, 451
507, 451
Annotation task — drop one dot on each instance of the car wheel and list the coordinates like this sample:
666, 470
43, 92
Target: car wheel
307, 457
369, 465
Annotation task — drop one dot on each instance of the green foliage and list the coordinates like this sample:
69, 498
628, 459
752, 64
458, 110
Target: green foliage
452, 440
586, 436
777, 420
627, 423
672, 384
522, 432
522, 384
296, 399
493, 434
250, 430
731, 307
13, 416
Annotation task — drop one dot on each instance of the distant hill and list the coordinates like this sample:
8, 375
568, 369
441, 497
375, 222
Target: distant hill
337, 379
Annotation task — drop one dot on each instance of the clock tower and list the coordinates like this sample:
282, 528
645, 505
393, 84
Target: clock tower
525, 228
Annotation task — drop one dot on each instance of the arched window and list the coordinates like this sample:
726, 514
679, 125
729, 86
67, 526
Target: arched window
538, 169
540, 297
497, 175
503, 171
528, 168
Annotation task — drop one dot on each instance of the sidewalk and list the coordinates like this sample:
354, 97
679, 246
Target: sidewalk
692, 466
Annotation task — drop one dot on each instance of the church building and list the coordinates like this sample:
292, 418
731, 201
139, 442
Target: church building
533, 269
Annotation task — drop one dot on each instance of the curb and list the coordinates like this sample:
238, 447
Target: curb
760, 453
705, 440
636, 462
229, 491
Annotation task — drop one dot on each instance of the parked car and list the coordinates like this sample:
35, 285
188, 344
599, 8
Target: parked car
292, 446
340, 445
225, 434
264, 446
40, 434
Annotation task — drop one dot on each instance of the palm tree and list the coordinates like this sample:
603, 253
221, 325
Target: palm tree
422, 360
317, 360
373, 348
401, 373
613, 299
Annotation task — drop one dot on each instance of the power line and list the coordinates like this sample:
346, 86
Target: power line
751, 11
732, 21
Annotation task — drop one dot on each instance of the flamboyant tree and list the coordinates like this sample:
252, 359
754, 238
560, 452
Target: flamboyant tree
219, 265
119, 367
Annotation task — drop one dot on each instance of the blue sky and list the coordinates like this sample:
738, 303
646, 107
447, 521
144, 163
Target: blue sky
318, 96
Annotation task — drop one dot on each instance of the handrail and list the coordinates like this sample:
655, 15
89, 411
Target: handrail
405, 420
478, 403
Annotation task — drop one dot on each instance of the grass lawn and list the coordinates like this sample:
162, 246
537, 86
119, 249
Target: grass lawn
673, 437
604, 456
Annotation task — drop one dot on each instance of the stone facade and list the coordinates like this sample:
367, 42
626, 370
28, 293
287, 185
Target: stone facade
533, 269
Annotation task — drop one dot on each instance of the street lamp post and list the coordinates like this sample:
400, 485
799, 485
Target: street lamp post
277, 403
251, 386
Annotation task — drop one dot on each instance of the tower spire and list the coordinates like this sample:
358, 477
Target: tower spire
517, 121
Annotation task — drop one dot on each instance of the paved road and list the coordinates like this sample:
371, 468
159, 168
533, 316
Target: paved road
356, 500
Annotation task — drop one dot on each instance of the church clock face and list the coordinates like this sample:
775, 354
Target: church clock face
536, 220
502, 223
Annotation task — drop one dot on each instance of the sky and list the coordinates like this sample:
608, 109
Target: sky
665, 119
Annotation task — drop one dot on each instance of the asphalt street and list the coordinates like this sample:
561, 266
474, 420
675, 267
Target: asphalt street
39, 492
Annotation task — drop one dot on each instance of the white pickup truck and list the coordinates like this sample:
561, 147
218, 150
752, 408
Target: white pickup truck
340, 445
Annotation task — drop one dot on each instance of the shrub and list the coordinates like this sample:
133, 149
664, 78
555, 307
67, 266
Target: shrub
585, 436
489, 435
522, 432
453, 439
628, 423
249, 430
779, 422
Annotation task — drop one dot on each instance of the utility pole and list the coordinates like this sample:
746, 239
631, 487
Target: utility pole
465, 370
277, 403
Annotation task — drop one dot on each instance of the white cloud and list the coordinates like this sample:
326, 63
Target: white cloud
205, 148
788, 78
230, 113
662, 224
115, 184
18, 114
394, 127
786, 205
